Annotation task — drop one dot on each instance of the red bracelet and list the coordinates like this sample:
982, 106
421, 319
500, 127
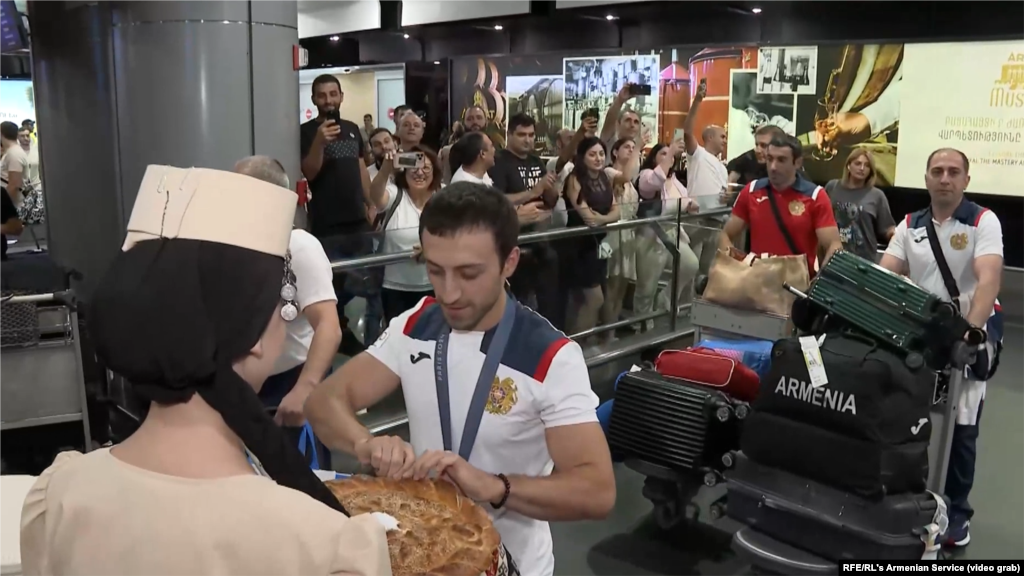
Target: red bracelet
508, 490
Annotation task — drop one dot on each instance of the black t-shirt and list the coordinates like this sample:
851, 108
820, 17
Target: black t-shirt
338, 205
512, 174
8, 212
747, 167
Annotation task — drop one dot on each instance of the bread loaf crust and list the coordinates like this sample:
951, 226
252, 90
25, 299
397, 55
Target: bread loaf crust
440, 532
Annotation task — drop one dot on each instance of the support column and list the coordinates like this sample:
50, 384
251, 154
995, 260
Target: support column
204, 84
123, 85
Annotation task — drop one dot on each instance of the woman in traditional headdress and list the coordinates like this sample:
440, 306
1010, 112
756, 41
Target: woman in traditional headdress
192, 312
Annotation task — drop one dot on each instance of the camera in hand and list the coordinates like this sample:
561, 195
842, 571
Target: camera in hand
409, 160
639, 89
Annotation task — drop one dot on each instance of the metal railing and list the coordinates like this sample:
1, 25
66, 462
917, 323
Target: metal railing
531, 237
563, 233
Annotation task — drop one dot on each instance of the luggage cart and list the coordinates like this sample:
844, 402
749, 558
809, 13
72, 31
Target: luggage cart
41, 370
710, 319
769, 556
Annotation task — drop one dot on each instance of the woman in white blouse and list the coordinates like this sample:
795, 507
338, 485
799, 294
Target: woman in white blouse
471, 157
406, 282
661, 193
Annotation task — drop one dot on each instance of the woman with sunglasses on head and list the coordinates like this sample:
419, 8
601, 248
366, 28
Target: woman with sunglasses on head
192, 312
661, 193
862, 210
405, 283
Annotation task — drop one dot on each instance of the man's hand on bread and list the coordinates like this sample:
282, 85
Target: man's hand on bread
390, 456
476, 484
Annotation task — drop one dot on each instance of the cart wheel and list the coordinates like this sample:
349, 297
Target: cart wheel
666, 514
716, 511
728, 460
914, 361
742, 411
945, 311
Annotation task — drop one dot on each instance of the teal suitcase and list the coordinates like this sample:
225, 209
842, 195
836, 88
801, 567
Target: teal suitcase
853, 293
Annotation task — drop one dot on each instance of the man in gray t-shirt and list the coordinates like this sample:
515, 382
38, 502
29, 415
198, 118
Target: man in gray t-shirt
863, 217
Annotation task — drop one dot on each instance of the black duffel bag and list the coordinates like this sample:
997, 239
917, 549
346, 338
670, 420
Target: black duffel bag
871, 395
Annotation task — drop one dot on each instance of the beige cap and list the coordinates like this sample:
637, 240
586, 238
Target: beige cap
212, 205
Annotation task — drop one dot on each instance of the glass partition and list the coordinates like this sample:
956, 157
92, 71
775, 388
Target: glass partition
593, 282
615, 287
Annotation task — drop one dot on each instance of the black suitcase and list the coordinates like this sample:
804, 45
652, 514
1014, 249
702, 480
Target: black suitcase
871, 395
673, 423
868, 469
827, 522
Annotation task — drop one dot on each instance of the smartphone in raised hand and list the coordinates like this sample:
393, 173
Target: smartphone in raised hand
409, 160
639, 89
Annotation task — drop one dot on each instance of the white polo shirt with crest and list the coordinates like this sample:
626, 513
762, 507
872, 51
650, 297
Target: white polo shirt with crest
542, 383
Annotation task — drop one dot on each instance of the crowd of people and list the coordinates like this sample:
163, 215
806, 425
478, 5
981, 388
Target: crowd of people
244, 314
22, 201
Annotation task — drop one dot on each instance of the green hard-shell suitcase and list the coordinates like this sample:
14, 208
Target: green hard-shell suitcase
851, 292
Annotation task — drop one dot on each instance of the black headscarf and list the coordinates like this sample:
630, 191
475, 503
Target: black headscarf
172, 316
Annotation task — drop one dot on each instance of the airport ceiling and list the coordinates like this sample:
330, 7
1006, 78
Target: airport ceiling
875, 18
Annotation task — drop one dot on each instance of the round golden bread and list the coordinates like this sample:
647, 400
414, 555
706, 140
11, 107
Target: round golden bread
440, 532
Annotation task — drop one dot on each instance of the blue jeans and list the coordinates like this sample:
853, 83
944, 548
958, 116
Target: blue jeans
963, 454
355, 245
273, 392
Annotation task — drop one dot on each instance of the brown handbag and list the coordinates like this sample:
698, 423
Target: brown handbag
756, 283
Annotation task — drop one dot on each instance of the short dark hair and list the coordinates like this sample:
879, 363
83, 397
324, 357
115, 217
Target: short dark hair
967, 163
9, 130
399, 110
365, 116
465, 150
786, 141
376, 131
436, 177
28, 121
465, 206
325, 79
520, 120
769, 129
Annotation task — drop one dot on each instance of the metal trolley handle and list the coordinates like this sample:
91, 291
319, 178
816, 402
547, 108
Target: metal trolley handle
64, 298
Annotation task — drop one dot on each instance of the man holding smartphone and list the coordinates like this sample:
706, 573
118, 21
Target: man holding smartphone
332, 151
623, 124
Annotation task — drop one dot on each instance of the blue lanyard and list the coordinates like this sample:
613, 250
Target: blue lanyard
483, 384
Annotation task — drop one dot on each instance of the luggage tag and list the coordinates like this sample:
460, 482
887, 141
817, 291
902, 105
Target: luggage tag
811, 348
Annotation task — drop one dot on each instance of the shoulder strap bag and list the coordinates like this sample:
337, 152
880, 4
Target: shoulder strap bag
781, 224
